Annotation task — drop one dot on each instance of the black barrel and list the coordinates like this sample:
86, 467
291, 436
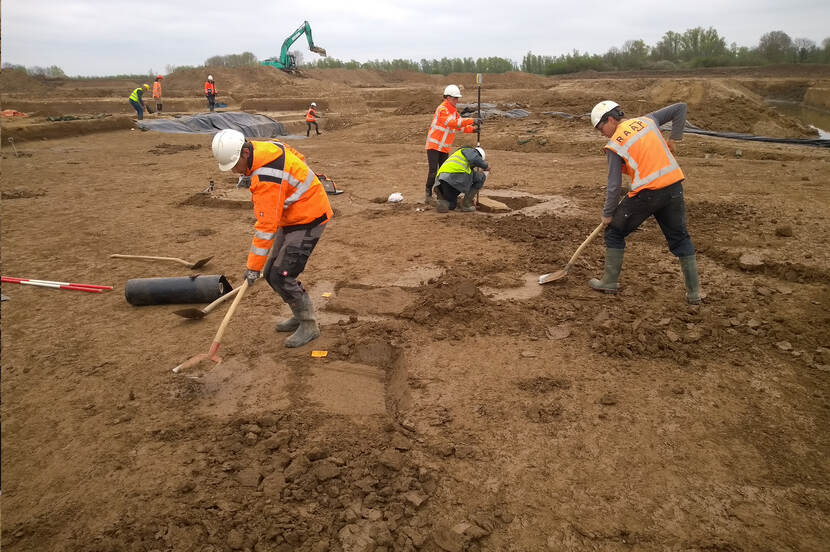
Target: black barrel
167, 291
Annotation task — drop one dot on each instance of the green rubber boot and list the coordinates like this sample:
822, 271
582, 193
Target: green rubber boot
613, 266
689, 267
290, 324
307, 329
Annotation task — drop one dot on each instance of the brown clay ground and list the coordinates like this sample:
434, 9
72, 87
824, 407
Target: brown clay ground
461, 406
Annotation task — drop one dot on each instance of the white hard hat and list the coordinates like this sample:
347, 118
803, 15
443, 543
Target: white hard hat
314, 104
601, 109
210, 77
452, 90
226, 147
481, 151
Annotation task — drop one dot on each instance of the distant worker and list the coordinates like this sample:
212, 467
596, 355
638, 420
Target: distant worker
636, 147
210, 92
441, 135
311, 119
291, 209
458, 175
157, 93
137, 101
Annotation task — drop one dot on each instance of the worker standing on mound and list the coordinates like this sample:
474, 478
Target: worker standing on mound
636, 147
445, 123
291, 209
311, 119
462, 173
157, 93
210, 92
137, 100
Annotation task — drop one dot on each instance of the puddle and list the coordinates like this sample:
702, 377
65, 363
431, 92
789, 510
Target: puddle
528, 288
410, 277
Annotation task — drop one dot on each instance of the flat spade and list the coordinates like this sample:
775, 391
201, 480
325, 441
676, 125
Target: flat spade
559, 274
198, 314
198, 264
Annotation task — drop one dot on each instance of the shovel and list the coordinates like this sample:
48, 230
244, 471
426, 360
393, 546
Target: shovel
198, 314
198, 264
559, 274
214, 347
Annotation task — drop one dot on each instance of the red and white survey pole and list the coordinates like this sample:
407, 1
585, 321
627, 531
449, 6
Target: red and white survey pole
89, 288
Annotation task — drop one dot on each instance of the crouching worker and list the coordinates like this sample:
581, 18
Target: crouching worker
457, 175
291, 209
637, 148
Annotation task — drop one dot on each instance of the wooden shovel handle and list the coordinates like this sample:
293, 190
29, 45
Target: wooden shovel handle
586, 242
221, 300
182, 261
227, 319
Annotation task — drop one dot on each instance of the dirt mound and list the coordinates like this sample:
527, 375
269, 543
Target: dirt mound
17, 81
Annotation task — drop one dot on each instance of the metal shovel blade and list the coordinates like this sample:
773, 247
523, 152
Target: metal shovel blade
201, 262
553, 276
192, 313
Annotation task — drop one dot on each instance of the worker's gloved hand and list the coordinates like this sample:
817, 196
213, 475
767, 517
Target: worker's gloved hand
251, 275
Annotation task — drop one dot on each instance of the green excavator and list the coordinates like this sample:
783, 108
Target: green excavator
286, 61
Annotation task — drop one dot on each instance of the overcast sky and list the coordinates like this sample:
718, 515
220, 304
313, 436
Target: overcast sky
108, 37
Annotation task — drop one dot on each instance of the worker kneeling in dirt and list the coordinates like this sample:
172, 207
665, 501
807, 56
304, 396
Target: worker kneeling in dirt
291, 209
637, 148
462, 173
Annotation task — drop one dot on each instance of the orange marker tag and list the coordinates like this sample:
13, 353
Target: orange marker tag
319, 354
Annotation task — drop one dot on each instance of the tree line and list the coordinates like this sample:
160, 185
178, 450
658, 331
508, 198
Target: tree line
697, 47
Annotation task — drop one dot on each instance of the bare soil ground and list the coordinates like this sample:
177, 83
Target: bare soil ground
461, 406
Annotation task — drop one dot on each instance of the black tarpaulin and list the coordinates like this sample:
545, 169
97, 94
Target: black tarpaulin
251, 125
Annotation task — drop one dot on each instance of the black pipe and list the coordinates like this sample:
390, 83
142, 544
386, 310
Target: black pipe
167, 291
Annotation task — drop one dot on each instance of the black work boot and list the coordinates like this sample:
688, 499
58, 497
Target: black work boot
613, 266
689, 267
307, 329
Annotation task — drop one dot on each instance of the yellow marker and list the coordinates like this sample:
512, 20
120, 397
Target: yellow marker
327, 294
319, 354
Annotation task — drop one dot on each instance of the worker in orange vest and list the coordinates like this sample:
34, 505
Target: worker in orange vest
291, 209
157, 93
445, 123
210, 92
637, 148
311, 119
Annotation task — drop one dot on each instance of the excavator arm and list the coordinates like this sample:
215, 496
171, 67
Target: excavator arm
286, 60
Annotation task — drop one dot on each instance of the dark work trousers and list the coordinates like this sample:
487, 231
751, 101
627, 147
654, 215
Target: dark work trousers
138, 109
435, 159
668, 208
289, 256
308, 128
211, 101
448, 193
158, 105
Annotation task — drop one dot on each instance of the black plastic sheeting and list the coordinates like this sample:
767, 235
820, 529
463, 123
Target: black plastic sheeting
251, 125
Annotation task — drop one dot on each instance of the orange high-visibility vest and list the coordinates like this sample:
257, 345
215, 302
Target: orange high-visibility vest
286, 194
157, 89
445, 124
648, 160
311, 115
210, 88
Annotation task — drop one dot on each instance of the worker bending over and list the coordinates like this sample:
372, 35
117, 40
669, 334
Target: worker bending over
445, 123
462, 173
137, 100
637, 148
157, 93
210, 92
291, 209
311, 119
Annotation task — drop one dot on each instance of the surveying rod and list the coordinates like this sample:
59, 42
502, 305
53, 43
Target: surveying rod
478, 132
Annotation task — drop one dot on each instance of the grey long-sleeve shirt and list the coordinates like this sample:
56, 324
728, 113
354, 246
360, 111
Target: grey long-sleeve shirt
676, 113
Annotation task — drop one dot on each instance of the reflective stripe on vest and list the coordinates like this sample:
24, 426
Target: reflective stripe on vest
647, 157
134, 95
455, 164
281, 174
